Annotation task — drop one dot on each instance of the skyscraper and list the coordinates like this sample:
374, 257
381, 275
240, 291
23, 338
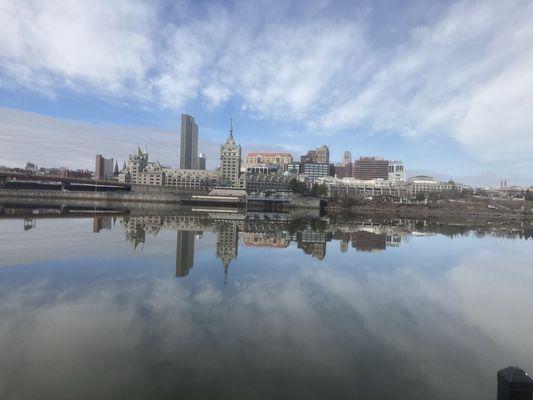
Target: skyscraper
189, 143
322, 154
201, 161
230, 162
103, 168
347, 158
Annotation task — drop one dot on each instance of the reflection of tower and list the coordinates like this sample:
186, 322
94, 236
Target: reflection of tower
29, 224
184, 252
227, 244
313, 242
344, 245
100, 223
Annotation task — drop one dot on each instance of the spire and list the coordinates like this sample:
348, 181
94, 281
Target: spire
231, 127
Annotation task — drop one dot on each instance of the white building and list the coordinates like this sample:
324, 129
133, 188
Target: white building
428, 184
140, 171
396, 171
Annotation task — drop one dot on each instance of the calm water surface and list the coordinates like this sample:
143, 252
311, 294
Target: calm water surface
227, 306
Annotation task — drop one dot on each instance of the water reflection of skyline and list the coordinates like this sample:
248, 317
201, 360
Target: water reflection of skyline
263, 233
273, 232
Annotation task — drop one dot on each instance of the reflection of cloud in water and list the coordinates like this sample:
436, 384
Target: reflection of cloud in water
313, 333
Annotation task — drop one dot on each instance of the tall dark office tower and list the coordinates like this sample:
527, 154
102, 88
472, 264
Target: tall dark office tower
189, 143
201, 161
184, 252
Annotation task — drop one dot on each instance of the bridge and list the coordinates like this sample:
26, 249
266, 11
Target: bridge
8, 178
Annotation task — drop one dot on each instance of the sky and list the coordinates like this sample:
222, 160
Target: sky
445, 86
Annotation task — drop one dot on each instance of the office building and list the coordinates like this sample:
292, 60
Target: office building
396, 171
266, 169
316, 170
277, 158
368, 168
294, 167
201, 161
322, 154
347, 158
140, 171
427, 184
230, 163
189, 143
258, 183
194, 179
103, 168
310, 157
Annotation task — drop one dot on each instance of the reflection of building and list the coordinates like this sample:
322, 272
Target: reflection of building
189, 143
29, 223
368, 241
100, 223
227, 243
184, 252
343, 246
270, 239
313, 242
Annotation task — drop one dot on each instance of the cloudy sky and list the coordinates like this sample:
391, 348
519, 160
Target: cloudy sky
446, 86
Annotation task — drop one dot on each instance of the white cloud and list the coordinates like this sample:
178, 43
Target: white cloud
94, 45
464, 73
467, 75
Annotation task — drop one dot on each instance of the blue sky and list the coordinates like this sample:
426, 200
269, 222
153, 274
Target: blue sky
446, 86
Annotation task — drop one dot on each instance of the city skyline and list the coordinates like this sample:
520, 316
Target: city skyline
444, 89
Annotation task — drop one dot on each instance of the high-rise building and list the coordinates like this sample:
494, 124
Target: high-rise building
310, 157
322, 154
368, 168
201, 161
344, 169
184, 252
347, 158
103, 168
230, 162
189, 143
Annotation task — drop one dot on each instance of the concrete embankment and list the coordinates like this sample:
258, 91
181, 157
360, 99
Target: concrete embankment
105, 197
